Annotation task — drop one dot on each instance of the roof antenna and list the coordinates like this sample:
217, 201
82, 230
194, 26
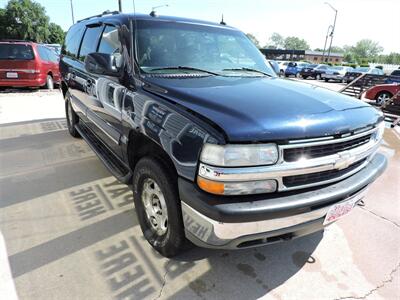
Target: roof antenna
153, 10
222, 20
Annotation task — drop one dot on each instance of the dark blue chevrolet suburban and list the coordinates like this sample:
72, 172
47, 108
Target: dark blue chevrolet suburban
218, 150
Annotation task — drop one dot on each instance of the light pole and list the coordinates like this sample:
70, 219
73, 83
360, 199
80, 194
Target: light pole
119, 5
326, 39
333, 29
72, 12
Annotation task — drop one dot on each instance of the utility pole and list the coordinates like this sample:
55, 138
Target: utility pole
326, 39
333, 29
120, 5
72, 12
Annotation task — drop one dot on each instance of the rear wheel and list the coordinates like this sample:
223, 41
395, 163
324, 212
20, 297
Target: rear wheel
72, 117
49, 82
318, 77
158, 206
382, 97
326, 79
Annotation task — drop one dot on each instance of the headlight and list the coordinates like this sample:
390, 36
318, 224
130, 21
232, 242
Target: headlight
379, 132
236, 156
239, 155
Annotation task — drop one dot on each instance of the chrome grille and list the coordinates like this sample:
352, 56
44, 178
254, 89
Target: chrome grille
294, 154
306, 179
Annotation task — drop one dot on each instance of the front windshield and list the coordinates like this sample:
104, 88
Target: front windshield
166, 47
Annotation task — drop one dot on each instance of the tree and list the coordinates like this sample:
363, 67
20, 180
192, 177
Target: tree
56, 34
276, 41
366, 49
27, 20
253, 39
295, 43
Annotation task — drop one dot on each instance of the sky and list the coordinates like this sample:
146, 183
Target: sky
309, 19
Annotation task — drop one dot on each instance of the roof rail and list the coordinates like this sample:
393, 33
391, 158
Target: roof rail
15, 41
104, 13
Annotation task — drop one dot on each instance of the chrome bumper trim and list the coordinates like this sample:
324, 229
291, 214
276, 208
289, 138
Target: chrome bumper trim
217, 234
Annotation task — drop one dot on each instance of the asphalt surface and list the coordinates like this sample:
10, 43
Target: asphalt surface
71, 232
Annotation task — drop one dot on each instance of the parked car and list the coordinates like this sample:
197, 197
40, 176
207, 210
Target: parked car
351, 75
221, 152
282, 66
313, 71
336, 73
394, 77
27, 64
294, 68
383, 92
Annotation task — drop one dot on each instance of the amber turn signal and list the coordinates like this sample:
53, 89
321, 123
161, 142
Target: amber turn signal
210, 186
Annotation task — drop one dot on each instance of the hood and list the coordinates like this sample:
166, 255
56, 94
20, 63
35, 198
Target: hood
255, 109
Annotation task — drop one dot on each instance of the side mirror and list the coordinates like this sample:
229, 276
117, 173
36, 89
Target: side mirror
104, 64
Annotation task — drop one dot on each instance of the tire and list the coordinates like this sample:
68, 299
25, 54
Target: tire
297, 75
286, 75
49, 83
318, 77
162, 225
326, 79
72, 117
304, 77
382, 97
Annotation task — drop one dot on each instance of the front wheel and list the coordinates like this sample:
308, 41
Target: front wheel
158, 206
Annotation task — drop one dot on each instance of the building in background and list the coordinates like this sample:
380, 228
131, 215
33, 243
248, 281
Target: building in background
317, 57
281, 54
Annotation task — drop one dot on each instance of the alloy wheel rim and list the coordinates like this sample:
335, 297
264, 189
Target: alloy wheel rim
382, 98
155, 207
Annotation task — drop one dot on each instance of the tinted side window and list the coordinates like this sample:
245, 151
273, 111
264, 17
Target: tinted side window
43, 53
110, 41
89, 42
73, 40
51, 55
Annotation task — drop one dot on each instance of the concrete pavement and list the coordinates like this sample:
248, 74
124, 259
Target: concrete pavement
71, 231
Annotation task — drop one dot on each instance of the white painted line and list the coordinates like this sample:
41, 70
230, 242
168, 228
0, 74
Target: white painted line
7, 287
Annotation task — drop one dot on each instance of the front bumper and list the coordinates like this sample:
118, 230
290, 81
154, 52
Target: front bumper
252, 220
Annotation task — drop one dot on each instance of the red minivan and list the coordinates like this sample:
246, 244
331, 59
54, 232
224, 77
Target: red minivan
27, 64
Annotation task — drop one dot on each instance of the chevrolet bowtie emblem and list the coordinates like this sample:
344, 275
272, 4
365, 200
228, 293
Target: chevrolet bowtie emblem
345, 159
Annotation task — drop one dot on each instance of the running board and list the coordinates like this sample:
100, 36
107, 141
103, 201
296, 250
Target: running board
109, 159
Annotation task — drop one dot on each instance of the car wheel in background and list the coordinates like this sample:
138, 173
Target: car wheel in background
382, 97
158, 207
49, 83
298, 75
326, 79
318, 77
72, 117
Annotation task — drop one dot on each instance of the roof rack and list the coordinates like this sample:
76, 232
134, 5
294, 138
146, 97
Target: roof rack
104, 13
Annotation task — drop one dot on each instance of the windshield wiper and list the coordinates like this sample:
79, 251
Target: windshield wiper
248, 69
184, 68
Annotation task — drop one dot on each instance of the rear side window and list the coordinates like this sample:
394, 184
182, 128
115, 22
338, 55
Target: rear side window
110, 43
396, 73
43, 53
73, 40
51, 55
89, 42
16, 52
